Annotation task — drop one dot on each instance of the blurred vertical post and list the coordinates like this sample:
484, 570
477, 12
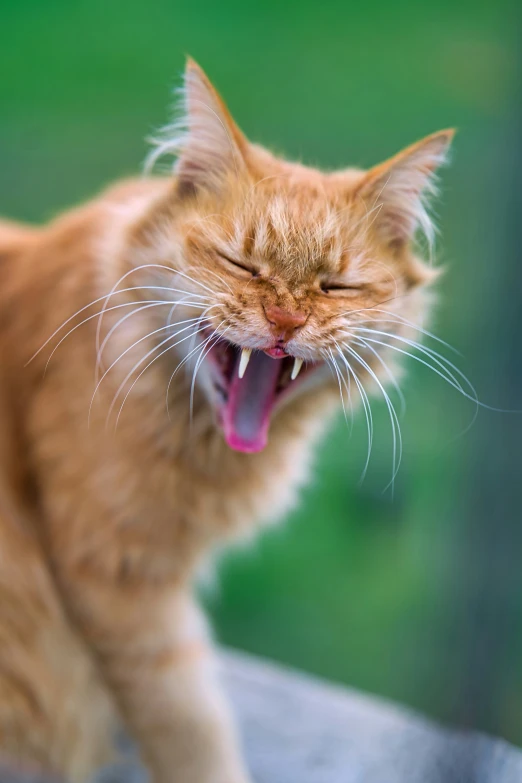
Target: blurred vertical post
488, 552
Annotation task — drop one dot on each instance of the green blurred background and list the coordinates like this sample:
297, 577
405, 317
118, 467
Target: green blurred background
417, 598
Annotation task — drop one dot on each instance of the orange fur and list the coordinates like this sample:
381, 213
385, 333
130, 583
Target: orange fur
103, 527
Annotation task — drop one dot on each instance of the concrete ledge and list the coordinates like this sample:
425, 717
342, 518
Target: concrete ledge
297, 729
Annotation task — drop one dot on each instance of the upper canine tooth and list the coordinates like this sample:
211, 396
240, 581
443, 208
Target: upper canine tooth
243, 362
298, 363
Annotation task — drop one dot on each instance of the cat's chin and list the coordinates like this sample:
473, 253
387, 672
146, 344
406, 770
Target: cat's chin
247, 396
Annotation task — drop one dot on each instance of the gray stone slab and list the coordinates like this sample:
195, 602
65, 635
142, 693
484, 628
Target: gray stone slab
297, 729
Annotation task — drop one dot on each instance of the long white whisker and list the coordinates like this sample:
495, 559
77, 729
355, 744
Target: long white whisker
349, 383
371, 307
145, 306
348, 386
367, 409
122, 278
204, 353
179, 303
166, 350
361, 342
199, 360
91, 304
452, 382
189, 321
399, 318
192, 280
332, 363
438, 358
395, 425
191, 345
90, 318
218, 277
145, 287
178, 367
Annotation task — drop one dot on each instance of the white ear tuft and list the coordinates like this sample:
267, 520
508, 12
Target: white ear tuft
205, 140
400, 188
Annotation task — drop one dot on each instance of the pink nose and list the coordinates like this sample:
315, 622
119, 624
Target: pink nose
284, 323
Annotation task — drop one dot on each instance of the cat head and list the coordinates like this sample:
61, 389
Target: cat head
290, 265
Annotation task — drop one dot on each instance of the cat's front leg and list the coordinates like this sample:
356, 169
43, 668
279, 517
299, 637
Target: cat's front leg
155, 654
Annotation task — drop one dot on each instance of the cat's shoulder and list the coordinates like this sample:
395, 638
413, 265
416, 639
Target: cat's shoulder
131, 188
122, 198
15, 236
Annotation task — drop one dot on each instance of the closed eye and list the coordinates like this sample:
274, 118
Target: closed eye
239, 265
328, 287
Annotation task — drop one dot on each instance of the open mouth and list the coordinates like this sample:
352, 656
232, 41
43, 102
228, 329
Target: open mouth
249, 384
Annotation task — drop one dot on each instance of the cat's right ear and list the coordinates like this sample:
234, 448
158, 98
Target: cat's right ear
206, 141
396, 190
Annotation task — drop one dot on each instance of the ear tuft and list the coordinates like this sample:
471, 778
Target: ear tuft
204, 139
400, 189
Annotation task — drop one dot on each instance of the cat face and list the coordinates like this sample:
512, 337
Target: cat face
292, 266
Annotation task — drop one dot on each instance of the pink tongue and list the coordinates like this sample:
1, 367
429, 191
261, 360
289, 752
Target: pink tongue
246, 415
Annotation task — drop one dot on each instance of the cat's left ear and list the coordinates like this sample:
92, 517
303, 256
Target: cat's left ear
397, 189
206, 141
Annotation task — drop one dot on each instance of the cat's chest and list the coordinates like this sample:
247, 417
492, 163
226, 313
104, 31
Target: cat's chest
230, 496
148, 505
159, 524
177, 511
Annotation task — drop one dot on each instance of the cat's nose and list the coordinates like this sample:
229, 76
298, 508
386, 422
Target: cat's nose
284, 323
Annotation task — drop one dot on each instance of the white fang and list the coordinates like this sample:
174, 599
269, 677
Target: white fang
298, 363
243, 362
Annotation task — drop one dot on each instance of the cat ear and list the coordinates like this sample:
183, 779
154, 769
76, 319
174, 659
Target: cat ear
397, 189
206, 141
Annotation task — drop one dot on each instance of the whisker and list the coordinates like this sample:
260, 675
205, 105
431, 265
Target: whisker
401, 319
189, 321
438, 358
179, 365
332, 363
348, 386
145, 306
166, 350
86, 307
122, 278
395, 425
193, 339
192, 280
349, 382
218, 277
442, 361
361, 342
451, 381
95, 315
204, 353
177, 304
372, 307
367, 410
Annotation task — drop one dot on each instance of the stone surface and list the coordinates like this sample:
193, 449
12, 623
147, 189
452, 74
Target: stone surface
297, 729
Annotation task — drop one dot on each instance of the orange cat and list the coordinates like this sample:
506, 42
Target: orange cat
170, 353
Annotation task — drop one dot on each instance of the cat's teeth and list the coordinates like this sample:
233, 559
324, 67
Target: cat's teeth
243, 362
298, 363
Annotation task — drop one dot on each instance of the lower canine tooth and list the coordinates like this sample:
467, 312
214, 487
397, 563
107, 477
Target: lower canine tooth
298, 363
243, 362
